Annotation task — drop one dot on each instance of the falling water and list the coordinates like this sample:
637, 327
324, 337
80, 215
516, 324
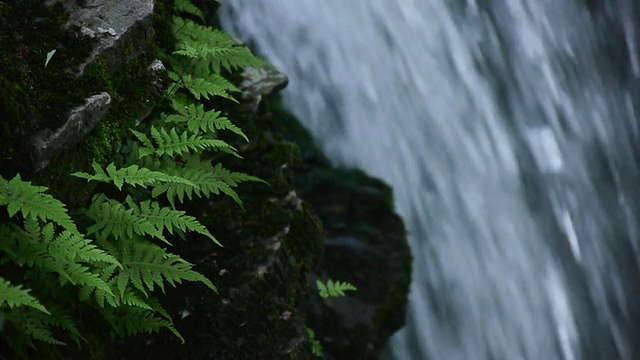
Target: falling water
508, 131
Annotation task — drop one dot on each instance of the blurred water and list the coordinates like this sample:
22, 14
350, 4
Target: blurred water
508, 130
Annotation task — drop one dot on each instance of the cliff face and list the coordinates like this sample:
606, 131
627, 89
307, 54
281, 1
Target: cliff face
103, 80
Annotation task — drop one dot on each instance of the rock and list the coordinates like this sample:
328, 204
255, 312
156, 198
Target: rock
46, 143
118, 27
366, 245
101, 47
257, 83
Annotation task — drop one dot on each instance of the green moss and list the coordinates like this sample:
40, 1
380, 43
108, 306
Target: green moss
33, 96
131, 96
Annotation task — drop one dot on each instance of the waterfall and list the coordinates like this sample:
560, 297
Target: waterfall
508, 131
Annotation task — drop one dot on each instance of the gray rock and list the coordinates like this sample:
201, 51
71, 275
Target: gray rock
47, 143
112, 23
258, 83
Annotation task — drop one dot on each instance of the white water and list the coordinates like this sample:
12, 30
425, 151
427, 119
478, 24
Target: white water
509, 135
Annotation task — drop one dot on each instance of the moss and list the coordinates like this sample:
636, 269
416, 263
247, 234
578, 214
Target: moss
33, 96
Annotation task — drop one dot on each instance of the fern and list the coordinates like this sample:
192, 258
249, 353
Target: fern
21, 196
334, 289
316, 347
218, 48
172, 144
204, 87
15, 296
199, 120
133, 320
132, 175
145, 266
208, 180
187, 7
112, 218
37, 327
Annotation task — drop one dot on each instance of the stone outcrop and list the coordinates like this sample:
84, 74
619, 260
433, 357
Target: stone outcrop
120, 29
257, 83
82, 120
99, 46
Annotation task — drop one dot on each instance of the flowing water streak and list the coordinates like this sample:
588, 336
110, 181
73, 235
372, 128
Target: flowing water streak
509, 141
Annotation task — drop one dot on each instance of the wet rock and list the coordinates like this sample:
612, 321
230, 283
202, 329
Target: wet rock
117, 26
47, 143
258, 83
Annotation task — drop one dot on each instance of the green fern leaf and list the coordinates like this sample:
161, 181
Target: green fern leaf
333, 289
15, 296
111, 218
146, 265
35, 327
219, 48
132, 175
208, 180
21, 196
164, 218
171, 143
199, 120
185, 6
134, 320
214, 85
197, 50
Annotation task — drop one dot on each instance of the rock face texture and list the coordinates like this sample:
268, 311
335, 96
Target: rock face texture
103, 52
82, 120
118, 27
257, 83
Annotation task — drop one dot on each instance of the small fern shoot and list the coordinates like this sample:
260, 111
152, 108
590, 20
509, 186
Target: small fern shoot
333, 289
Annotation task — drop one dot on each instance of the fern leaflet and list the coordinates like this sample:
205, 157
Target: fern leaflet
15, 296
171, 143
334, 289
199, 120
132, 175
187, 7
201, 87
21, 196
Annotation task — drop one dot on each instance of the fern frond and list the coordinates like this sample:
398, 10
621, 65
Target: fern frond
15, 296
334, 289
205, 87
134, 320
171, 143
199, 120
208, 179
21, 196
185, 6
72, 247
197, 50
146, 265
35, 326
219, 48
131, 297
112, 218
61, 254
132, 175
165, 218
61, 319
